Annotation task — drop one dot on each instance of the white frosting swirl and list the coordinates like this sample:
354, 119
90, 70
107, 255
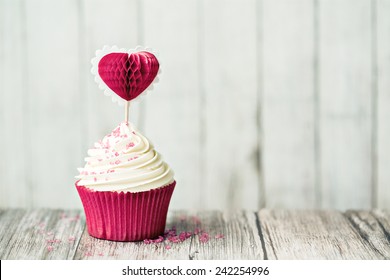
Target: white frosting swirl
124, 161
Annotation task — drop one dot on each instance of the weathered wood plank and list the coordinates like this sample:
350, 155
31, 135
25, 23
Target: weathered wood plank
383, 217
288, 104
14, 133
240, 240
9, 222
273, 234
220, 236
53, 101
230, 136
312, 234
345, 83
371, 230
383, 102
92, 248
178, 99
44, 234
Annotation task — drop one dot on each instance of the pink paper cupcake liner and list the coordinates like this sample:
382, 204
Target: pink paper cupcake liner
126, 216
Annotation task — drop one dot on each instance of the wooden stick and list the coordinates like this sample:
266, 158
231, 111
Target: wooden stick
127, 107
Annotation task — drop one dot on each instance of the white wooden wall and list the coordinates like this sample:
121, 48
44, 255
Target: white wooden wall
273, 103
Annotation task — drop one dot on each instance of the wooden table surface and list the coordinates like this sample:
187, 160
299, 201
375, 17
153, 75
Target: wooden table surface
267, 234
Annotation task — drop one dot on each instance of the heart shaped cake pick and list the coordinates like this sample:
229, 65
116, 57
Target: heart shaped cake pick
128, 75
125, 73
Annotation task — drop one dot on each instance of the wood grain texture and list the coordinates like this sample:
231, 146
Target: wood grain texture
345, 103
230, 141
383, 218
172, 109
240, 240
268, 234
371, 229
241, 237
313, 235
92, 248
14, 135
53, 115
288, 104
383, 102
41, 234
9, 222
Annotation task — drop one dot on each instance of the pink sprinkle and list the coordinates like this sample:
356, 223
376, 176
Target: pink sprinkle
171, 236
99, 159
50, 248
159, 239
204, 237
174, 239
219, 236
111, 170
94, 179
101, 254
116, 132
101, 172
93, 173
117, 162
170, 232
197, 231
116, 154
88, 254
71, 238
54, 241
184, 235
131, 144
168, 247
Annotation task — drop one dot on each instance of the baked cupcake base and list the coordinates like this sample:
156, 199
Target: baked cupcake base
126, 216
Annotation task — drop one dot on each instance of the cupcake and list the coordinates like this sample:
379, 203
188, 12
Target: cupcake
125, 186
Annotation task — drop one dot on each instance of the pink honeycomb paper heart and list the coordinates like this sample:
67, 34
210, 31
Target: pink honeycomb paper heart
128, 75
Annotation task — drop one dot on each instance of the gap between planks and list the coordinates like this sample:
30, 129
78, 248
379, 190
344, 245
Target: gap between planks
40, 234
240, 240
326, 234
267, 234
